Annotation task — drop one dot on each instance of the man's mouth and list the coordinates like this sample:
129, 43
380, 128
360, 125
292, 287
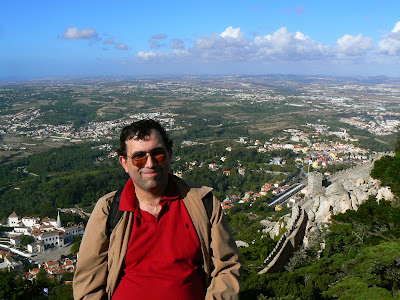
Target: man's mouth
150, 172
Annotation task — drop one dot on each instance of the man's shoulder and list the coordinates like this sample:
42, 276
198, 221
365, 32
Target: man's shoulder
186, 187
107, 197
104, 202
188, 184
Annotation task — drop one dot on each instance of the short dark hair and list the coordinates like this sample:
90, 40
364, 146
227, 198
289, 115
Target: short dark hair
140, 130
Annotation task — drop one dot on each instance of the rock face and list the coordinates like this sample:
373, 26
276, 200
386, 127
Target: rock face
272, 228
343, 194
287, 221
347, 190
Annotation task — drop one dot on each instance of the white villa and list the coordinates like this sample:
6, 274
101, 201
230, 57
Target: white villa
13, 220
47, 232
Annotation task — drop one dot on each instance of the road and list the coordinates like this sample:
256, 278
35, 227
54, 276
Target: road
288, 193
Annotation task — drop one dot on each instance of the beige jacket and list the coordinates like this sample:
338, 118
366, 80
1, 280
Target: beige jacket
101, 260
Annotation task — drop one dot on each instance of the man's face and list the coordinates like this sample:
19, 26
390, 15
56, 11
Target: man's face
151, 175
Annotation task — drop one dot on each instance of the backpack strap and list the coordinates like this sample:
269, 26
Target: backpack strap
114, 214
208, 204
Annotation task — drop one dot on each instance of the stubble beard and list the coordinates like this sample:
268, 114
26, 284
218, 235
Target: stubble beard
153, 180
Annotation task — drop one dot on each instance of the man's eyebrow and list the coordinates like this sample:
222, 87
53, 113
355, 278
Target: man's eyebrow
156, 148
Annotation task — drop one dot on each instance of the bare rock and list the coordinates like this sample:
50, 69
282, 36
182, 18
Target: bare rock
241, 244
354, 201
324, 212
384, 193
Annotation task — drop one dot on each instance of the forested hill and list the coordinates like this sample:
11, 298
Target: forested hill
80, 174
61, 177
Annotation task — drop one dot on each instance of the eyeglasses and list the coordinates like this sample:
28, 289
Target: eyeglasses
139, 159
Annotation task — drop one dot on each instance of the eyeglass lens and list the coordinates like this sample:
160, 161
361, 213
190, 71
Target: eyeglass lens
140, 159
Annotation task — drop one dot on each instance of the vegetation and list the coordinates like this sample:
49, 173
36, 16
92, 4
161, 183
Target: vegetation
361, 255
194, 161
361, 258
81, 174
14, 287
387, 170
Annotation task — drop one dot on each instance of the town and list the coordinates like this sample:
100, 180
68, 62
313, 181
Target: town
253, 139
32, 236
30, 121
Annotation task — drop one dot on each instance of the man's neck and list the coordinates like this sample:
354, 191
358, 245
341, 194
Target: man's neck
150, 197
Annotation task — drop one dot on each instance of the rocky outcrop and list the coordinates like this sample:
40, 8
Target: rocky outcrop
343, 194
274, 228
347, 190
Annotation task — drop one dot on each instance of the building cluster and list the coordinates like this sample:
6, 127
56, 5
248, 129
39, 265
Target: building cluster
46, 232
319, 154
54, 269
378, 125
250, 196
314, 149
27, 123
8, 261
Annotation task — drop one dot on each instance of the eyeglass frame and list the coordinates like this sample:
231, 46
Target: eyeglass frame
144, 156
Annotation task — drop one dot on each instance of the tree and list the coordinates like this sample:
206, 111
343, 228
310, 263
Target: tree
76, 245
27, 239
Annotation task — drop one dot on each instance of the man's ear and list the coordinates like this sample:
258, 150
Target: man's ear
124, 163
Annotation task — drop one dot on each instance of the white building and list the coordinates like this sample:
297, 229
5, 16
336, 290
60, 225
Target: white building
13, 220
50, 222
29, 222
15, 240
35, 247
22, 230
73, 231
51, 238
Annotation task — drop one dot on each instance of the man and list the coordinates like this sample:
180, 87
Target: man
165, 246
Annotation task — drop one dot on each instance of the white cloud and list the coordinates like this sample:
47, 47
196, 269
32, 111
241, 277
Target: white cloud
109, 41
283, 44
351, 45
390, 43
396, 27
232, 45
231, 32
121, 46
146, 55
75, 33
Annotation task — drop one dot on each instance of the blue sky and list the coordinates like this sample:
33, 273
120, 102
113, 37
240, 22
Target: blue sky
41, 39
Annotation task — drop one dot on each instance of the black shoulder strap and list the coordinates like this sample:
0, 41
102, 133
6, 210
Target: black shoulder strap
114, 214
208, 204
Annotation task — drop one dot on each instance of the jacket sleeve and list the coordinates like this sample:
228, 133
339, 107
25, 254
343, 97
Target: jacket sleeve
225, 277
91, 272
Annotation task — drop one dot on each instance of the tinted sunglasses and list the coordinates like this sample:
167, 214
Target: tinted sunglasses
139, 159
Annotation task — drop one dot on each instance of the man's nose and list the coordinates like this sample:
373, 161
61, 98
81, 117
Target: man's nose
149, 161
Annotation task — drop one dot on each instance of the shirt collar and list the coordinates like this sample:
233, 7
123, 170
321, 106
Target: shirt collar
128, 196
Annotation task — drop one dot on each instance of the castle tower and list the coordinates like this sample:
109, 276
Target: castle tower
314, 184
58, 220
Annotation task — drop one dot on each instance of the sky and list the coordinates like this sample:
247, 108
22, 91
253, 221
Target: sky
57, 38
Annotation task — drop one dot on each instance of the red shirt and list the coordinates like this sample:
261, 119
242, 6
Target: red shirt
163, 260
